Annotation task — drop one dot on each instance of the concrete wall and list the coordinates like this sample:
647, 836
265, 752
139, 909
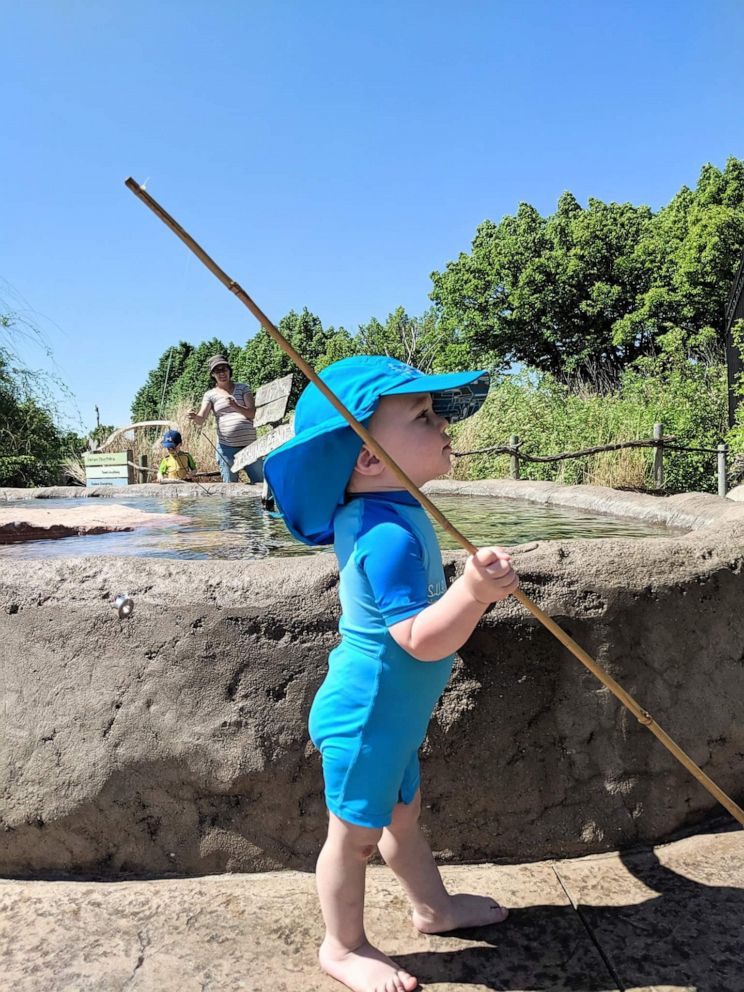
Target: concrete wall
175, 740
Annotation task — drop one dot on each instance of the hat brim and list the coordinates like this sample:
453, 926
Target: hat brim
454, 395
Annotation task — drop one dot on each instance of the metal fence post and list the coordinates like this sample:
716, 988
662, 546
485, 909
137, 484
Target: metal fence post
514, 459
658, 458
142, 470
722, 451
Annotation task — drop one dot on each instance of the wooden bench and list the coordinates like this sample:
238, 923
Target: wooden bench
271, 405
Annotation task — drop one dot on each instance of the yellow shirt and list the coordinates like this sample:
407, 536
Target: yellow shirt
177, 465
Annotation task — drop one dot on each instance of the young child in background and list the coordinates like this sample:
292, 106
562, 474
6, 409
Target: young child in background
399, 628
177, 464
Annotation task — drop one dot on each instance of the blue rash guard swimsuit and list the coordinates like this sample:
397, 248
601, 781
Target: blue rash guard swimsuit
371, 713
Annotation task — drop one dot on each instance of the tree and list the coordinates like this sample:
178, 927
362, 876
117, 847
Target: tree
262, 360
418, 341
587, 291
339, 344
149, 401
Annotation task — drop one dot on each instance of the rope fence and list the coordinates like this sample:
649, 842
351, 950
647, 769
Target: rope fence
659, 442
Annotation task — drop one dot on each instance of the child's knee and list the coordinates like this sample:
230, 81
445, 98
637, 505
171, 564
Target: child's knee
361, 842
364, 846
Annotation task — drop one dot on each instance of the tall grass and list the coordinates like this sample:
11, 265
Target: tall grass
551, 418
688, 399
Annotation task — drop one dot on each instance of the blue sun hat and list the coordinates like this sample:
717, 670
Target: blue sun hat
308, 474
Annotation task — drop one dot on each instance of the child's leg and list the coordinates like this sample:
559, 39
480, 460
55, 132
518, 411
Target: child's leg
345, 952
405, 850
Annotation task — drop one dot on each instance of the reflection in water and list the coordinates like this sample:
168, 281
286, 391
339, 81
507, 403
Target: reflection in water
236, 527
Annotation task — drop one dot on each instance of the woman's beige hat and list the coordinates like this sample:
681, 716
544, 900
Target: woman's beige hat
216, 360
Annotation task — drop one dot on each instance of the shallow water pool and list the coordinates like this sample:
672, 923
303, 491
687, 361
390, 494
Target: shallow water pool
235, 527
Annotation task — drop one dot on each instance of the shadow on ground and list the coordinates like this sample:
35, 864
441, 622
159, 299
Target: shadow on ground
688, 936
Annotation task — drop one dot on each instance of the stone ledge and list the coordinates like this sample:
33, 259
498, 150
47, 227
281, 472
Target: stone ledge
689, 511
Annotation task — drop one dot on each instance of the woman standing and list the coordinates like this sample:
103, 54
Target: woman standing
234, 408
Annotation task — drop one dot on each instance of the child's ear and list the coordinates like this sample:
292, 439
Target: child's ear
368, 463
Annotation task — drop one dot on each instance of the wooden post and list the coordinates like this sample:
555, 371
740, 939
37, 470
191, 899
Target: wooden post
722, 470
514, 459
142, 474
658, 458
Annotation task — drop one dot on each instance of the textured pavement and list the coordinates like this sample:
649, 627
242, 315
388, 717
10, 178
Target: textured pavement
667, 920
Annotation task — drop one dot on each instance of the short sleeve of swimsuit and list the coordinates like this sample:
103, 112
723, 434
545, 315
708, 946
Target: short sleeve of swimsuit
391, 557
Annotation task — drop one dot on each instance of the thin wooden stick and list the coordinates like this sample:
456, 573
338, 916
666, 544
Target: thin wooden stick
617, 690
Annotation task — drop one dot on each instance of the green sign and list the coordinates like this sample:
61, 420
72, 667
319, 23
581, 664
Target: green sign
107, 457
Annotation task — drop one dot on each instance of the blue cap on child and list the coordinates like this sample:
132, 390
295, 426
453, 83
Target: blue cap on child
171, 439
309, 473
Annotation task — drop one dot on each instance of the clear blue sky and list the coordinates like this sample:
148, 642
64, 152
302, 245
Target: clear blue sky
328, 154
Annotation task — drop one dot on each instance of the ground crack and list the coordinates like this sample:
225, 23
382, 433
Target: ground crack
144, 942
590, 934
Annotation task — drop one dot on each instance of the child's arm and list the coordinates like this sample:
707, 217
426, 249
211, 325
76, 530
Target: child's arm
445, 626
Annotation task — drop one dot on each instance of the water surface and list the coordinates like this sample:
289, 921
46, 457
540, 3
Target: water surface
234, 527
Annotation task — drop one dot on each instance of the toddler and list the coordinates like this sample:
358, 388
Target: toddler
400, 627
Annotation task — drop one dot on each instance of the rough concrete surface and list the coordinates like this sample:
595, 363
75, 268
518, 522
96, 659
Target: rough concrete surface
175, 741
669, 920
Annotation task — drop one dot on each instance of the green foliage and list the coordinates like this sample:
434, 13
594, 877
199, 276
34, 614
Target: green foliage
587, 291
264, 360
614, 310
735, 437
99, 434
194, 379
150, 399
339, 344
181, 373
32, 445
686, 397
418, 341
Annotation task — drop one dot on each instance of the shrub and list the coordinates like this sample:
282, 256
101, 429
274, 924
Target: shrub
687, 398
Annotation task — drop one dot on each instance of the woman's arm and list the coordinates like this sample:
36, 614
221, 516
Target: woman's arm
248, 405
201, 416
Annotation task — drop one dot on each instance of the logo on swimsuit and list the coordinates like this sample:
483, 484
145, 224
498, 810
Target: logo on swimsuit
436, 589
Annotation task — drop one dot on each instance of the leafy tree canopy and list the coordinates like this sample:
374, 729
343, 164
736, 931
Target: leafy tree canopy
588, 290
149, 400
181, 372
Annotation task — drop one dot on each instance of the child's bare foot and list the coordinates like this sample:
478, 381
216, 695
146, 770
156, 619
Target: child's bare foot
365, 969
461, 912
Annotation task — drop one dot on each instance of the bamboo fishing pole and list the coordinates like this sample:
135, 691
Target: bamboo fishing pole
578, 652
